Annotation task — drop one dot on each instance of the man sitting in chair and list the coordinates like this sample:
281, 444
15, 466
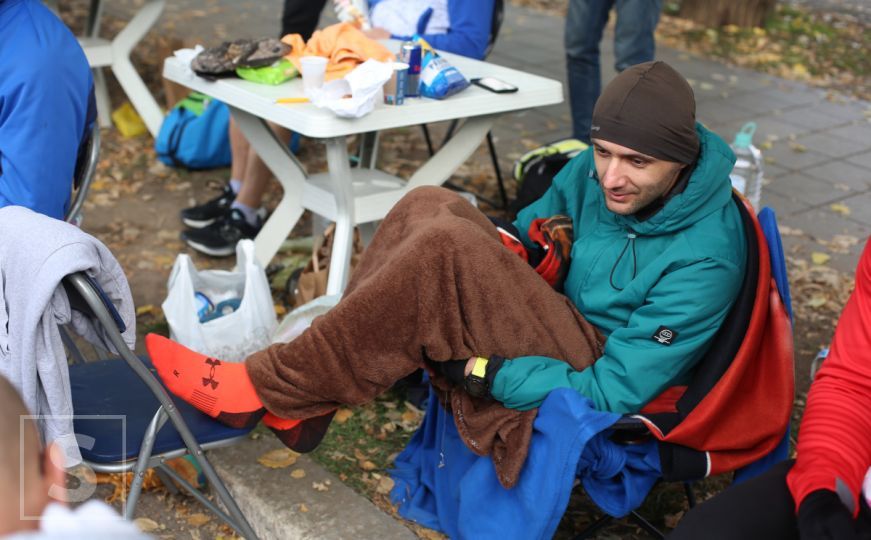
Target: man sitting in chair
45, 86
657, 258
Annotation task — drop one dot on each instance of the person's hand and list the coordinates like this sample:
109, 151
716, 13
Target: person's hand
822, 516
377, 33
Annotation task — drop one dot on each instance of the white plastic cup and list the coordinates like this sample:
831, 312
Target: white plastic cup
313, 70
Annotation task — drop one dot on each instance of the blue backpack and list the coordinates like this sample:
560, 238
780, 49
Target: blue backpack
194, 134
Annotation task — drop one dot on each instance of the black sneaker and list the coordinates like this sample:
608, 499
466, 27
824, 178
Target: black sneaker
219, 239
203, 215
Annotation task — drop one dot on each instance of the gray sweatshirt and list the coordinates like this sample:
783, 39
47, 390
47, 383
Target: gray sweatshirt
36, 252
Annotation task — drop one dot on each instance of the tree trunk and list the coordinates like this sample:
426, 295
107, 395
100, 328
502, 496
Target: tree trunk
716, 13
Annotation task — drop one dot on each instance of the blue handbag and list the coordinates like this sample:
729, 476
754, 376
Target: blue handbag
194, 134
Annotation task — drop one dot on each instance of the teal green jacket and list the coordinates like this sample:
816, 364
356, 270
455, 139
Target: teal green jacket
680, 273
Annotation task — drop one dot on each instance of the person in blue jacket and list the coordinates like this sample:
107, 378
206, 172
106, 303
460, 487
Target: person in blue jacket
456, 26
45, 88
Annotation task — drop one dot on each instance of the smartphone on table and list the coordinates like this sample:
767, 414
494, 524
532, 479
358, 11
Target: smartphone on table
494, 85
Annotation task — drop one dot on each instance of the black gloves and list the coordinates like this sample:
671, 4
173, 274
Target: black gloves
822, 516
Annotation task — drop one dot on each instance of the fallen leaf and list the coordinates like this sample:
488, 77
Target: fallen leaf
790, 231
303, 508
671, 520
816, 301
342, 415
142, 310
820, 258
798, 148
385, 485
198, 520
800, 71
840, 208
278, 459
320, 486
367, 465
298, 473
146, 525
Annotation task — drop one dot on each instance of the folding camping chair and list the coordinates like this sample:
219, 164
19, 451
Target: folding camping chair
121, 413
726, 344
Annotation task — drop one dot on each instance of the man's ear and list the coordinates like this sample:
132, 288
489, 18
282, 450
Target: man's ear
54, 473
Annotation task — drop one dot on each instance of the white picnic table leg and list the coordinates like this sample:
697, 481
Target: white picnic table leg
343, 190
128, 78
453, 154
289, 174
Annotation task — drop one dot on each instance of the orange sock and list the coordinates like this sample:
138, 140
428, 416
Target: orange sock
220, 389
299, 435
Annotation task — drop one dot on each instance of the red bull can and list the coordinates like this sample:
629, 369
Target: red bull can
410, 53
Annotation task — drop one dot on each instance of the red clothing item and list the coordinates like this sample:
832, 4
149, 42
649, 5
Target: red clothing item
835, 435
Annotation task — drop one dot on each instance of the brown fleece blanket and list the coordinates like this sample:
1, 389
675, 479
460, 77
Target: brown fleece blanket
435, 283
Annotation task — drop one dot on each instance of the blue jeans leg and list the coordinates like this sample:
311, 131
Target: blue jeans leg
633, 34
584, 24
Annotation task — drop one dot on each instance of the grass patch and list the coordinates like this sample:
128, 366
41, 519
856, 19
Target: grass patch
823, 49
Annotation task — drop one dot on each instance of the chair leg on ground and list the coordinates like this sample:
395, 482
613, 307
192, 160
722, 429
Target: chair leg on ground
495, 159
691, 496
646, 525
154, 426
428, 139
367, 154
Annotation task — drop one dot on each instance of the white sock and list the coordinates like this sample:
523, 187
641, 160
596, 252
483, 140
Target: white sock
251, 215
235, 185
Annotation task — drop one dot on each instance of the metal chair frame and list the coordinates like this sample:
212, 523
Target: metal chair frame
84, 297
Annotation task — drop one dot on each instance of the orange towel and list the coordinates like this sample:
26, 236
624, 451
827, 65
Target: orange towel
344, 45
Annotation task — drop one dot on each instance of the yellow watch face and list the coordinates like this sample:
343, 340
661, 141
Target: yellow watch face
480, 367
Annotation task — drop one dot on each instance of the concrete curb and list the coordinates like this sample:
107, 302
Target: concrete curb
272, 500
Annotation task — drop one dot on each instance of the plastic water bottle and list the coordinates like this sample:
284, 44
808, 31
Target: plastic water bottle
746, 176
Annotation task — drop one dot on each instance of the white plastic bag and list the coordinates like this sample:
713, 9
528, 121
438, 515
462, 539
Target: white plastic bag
231, 337
295, 322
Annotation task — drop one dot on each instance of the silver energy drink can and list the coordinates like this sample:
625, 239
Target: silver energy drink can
410, 53
394, 88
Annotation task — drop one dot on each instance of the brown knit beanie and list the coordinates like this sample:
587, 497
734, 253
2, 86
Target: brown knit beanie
651, 109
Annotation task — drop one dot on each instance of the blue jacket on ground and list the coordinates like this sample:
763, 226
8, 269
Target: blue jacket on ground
469, 32
442, 485
45, 83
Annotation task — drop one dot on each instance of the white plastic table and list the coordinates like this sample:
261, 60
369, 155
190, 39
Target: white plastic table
351, 196
115, 54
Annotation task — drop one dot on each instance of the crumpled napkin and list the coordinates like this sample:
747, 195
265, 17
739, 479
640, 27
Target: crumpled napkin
363, 84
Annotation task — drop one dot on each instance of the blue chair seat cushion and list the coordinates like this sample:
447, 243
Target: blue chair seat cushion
105, 391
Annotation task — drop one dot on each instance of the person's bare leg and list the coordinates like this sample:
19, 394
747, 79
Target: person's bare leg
257, 175
239, 150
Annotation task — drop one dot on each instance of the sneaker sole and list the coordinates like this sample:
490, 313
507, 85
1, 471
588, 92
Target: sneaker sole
197, 224
213, 251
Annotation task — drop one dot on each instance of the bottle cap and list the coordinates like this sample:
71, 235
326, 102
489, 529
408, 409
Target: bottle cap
744, 137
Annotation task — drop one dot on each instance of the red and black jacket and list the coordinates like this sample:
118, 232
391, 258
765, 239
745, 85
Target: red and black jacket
737, 406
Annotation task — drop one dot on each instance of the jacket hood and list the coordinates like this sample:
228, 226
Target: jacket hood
708, 190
